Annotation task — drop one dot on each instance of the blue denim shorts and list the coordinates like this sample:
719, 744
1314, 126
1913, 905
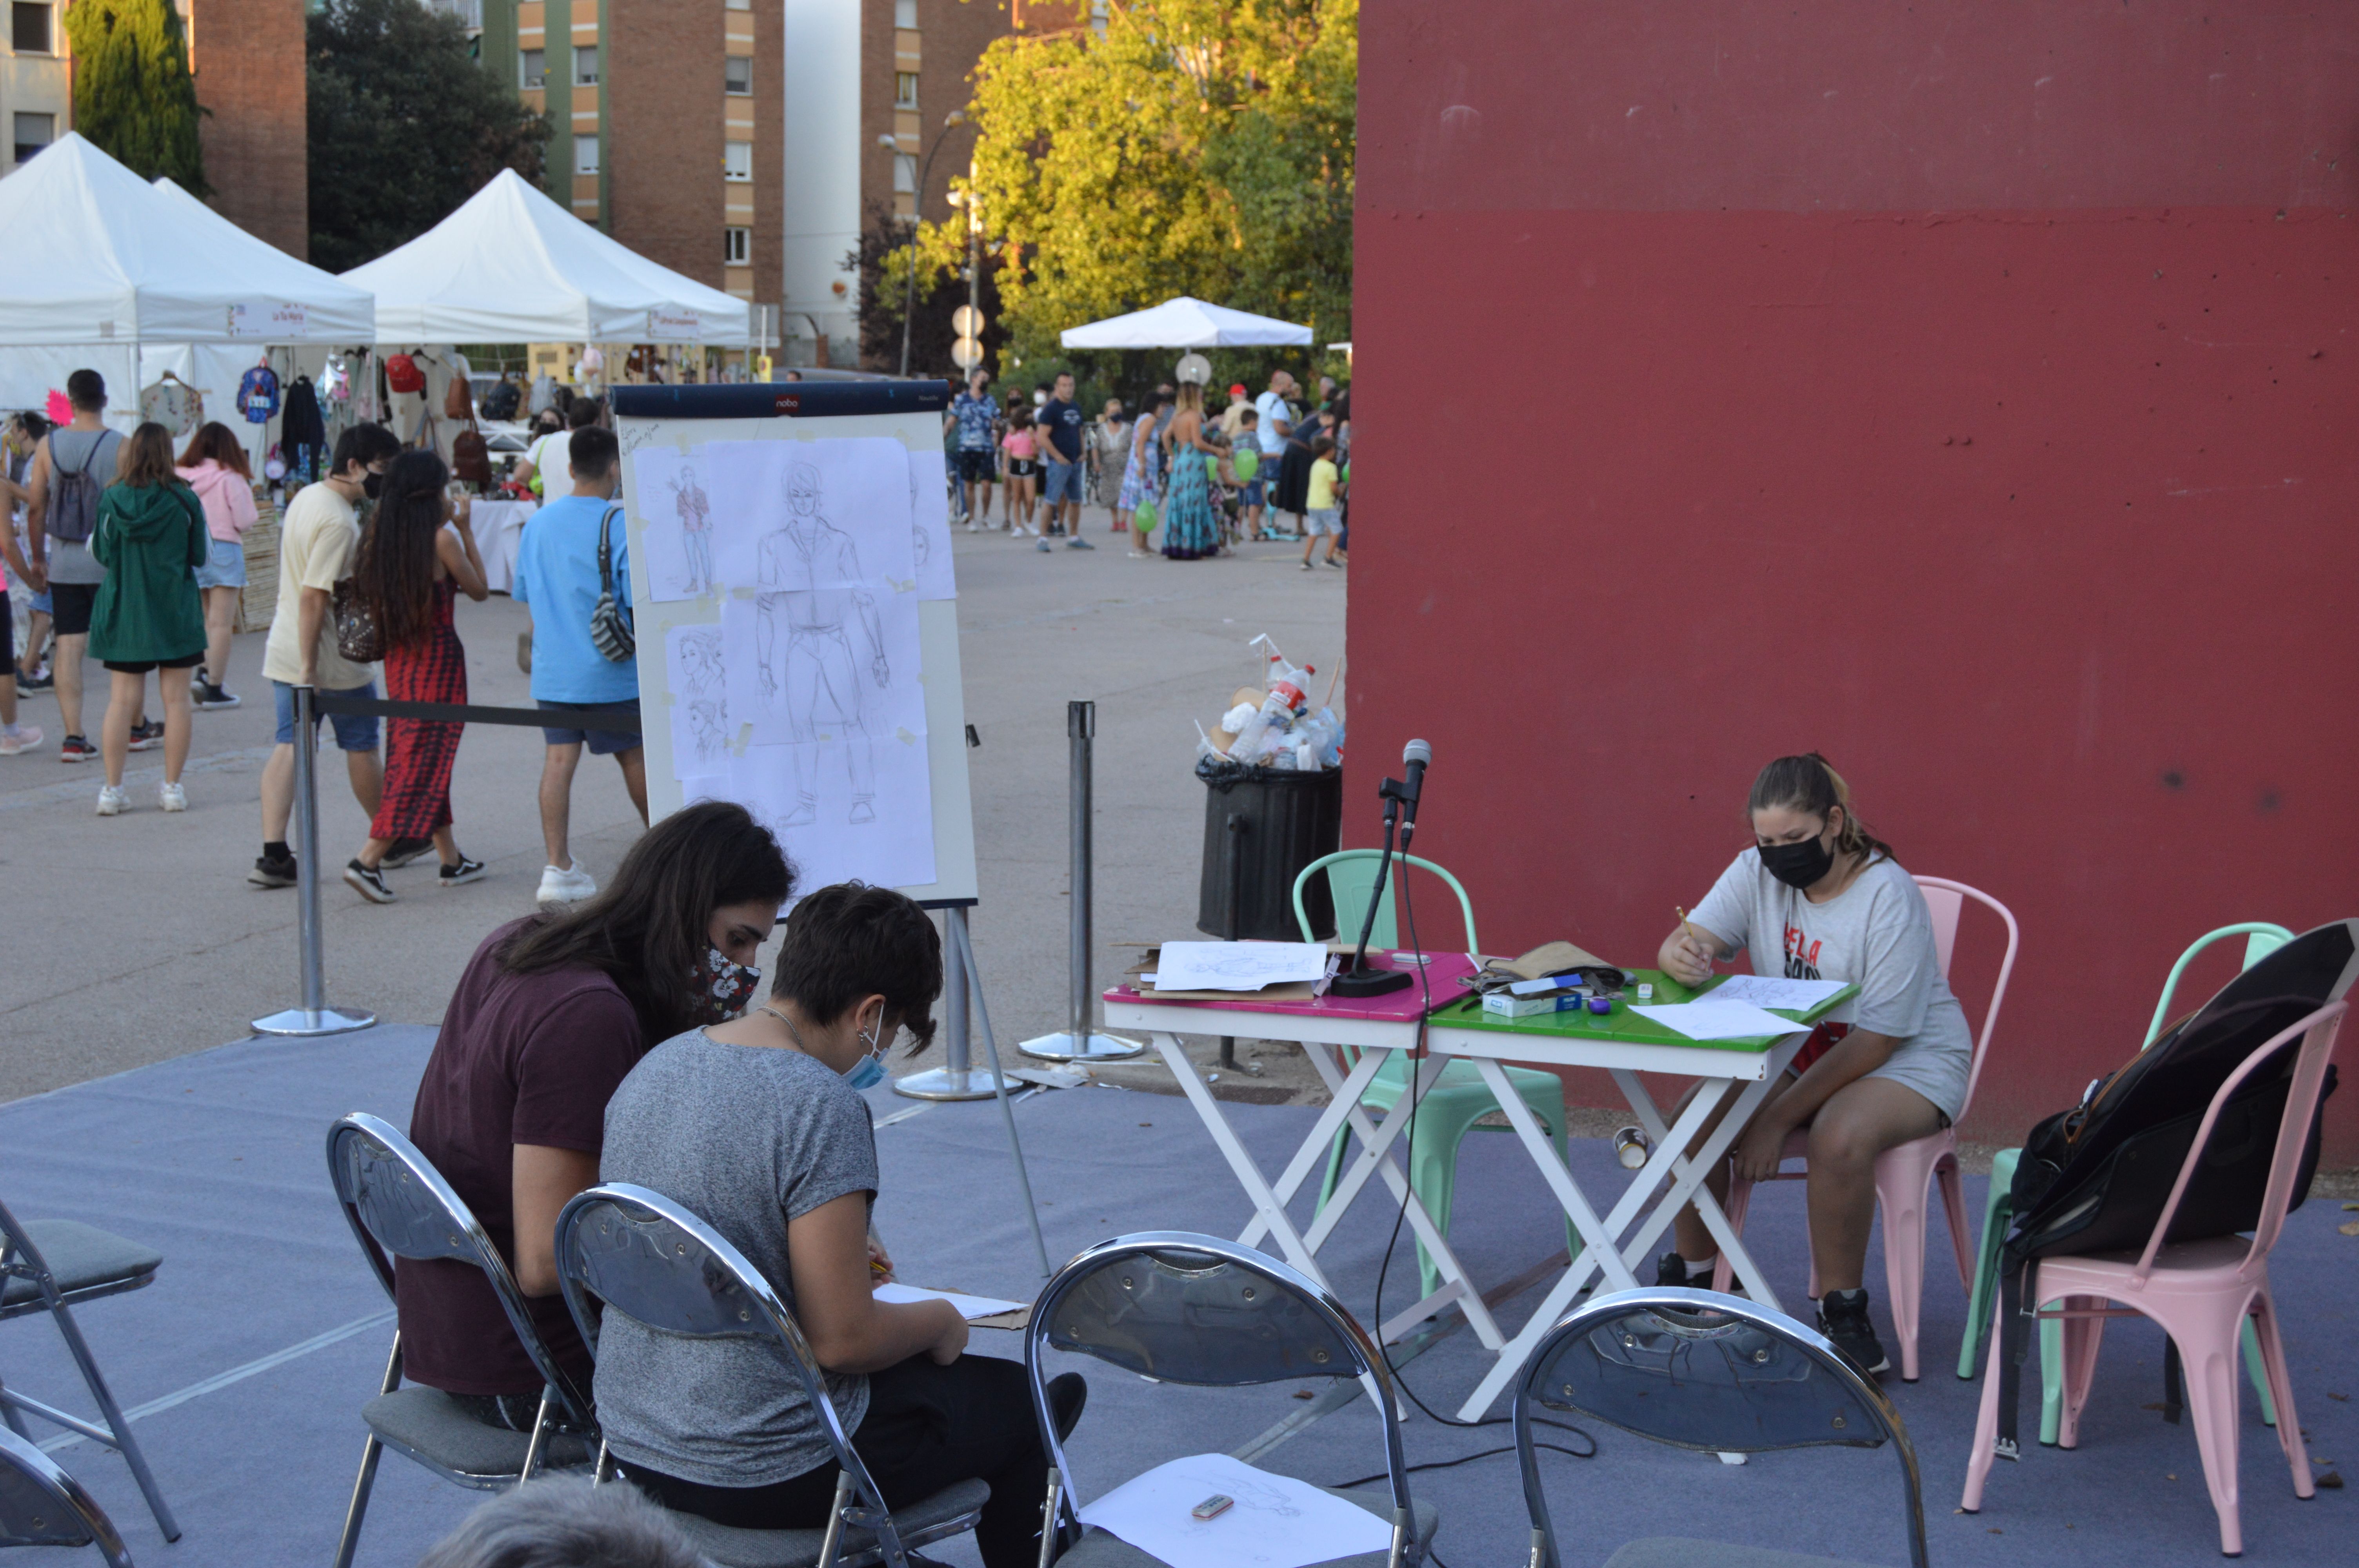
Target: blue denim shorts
1060, 481
601, 743
354, 731
225, 567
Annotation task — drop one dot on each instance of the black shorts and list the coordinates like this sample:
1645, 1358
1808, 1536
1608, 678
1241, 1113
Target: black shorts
1022, 468
69, 607
975, 466
7, 637
141, 667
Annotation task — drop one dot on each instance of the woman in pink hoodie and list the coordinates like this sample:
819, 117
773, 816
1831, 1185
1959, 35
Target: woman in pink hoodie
214, 467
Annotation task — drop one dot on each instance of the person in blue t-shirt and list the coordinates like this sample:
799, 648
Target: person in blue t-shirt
977, 414
556, 574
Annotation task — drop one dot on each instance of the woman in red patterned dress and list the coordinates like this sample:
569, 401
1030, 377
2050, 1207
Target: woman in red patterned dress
415, 557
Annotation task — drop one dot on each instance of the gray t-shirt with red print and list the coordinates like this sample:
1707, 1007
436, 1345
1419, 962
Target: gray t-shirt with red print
1877, 934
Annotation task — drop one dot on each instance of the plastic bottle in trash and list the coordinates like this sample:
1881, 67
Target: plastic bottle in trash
1276, 712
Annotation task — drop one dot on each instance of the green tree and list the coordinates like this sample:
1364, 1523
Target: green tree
1198, 146
133, 96
405, 125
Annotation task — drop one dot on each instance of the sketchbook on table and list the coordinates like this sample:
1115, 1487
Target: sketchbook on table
1237, 965
1774, 990
1709, 1020
1274, 1522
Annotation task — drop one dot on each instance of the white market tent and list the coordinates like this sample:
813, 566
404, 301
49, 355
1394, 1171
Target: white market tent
1186, 323
512, 267
102, 265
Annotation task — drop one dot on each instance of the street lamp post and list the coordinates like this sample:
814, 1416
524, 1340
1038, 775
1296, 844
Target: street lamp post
917, 211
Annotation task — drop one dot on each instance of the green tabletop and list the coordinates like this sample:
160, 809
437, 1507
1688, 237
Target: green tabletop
1621, 1024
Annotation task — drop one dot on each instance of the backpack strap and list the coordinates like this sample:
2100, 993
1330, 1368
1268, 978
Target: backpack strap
606, 550
2014, 1340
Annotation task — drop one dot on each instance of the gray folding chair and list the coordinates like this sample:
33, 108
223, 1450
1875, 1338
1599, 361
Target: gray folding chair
644, 1255
397, 1203
40, 1505
53, 1266
1178, 1307
1714, 1373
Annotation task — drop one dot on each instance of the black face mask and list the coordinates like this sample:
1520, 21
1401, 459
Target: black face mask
370, 483
1797, 865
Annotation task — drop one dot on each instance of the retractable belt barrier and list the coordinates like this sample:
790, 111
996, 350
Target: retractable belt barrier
619, 719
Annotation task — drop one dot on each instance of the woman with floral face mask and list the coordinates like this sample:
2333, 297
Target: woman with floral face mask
758, 1127
1817, 897
553, 1013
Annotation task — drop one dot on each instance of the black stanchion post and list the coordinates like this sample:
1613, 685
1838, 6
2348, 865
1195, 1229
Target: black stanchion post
314, 1016
1078, 1043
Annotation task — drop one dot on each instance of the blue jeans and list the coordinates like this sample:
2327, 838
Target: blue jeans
1060, 481
354, 731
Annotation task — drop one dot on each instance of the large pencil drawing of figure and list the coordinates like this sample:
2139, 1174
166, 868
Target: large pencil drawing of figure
695, 529
804, 639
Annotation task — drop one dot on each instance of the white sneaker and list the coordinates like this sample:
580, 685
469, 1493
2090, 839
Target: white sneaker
569, 885
175, 798
111, 801
24, 739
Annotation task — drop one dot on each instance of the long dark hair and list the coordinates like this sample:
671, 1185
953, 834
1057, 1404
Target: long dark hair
648, 929
218, 442
1809, 783
146, 457
393, 571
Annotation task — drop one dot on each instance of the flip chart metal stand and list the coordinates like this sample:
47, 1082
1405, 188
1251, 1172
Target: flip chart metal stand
1077, 1042
314, 1016
956, 1079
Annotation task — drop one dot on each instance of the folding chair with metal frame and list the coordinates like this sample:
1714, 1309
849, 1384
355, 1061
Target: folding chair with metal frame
40, 1505
1178, 1307
52, 1266
397, 1203
648, 1257
1714, 1373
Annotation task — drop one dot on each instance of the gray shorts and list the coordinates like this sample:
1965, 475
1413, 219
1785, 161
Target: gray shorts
1322, 520
1939, 1075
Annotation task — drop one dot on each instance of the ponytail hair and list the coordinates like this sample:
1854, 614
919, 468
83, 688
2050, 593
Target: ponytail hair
1810, 784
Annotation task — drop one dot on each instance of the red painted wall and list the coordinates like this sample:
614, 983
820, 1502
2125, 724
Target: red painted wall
1965, 391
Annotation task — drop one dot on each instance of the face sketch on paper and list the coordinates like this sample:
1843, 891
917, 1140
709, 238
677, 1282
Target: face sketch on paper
804, 637
705, 693
695, 512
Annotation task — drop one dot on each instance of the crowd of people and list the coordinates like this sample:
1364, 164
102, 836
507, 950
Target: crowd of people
1206, 478
135, 555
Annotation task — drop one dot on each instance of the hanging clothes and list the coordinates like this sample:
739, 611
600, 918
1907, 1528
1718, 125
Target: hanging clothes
302, 433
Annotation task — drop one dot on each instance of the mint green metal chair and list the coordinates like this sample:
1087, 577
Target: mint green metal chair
1459, 1099
2261, 938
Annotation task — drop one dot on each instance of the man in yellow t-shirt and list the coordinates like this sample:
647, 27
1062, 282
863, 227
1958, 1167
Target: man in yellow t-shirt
317, 539
1324, 516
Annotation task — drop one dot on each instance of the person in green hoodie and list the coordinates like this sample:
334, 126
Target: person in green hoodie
151, 536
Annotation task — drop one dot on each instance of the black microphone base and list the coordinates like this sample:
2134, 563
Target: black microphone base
1370, 982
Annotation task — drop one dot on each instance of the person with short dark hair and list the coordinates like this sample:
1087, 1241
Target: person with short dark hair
545, 461
151, 538
557, 576
975, 415
317, 537
565, 1521
551, 1014
1325, 512
758, 1128
72, 466
1062, 428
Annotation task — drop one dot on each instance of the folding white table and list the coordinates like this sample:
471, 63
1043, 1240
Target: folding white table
1379, 1028
1625, 1045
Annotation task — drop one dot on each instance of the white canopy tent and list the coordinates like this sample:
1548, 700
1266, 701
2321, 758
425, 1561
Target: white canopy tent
104, 268
1186, 323
512, 267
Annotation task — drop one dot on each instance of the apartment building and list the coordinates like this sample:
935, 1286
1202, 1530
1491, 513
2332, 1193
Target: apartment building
36, 80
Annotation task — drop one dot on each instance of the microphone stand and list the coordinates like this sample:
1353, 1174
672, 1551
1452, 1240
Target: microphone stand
1360, 980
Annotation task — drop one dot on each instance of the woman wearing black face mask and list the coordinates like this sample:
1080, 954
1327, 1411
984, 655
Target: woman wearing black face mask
1817, 897
553, 1013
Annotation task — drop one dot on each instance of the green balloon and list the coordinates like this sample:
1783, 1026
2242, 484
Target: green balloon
1248, 464
1213, 467
1143, 519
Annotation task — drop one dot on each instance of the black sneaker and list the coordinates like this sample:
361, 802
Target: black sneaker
1843, 1317
466, 871
45, 681
147, 735
272, 871
207, 695
368, 881
1671, 1272
404, 850
74, 749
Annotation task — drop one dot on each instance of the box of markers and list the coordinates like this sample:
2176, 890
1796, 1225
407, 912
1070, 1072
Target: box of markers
1506, 1004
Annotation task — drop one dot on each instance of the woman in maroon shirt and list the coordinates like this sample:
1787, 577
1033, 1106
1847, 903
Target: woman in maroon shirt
552, 1013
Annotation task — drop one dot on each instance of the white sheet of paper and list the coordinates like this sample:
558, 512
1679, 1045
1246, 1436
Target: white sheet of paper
1276, 1522
799, 516
701, 732
1709, 1020
969, 1307
1774, 990
858, 811
675, 505
1237, 965
827, 667
930, 499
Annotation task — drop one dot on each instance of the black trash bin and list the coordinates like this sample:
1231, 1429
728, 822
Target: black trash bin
1283, 821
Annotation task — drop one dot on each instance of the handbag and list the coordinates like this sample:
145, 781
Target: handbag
359, 637
610, 623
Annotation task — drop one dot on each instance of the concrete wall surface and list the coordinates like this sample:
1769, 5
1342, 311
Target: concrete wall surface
1962, 390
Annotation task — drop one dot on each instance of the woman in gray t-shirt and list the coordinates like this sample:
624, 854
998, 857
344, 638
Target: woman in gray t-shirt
757, 1125
1817, 897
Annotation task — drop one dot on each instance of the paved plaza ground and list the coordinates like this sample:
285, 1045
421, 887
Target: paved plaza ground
136, 938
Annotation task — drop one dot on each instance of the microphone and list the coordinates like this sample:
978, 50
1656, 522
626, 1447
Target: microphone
1414, 757
1399, 797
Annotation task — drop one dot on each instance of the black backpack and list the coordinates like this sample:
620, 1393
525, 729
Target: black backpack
2095, 1178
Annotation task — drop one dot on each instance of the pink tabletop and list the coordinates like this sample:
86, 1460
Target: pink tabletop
1404, 1006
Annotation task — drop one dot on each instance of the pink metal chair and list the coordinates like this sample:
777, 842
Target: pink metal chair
1905, 1174
2201, 1292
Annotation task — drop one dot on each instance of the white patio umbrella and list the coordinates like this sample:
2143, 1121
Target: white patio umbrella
1186, 323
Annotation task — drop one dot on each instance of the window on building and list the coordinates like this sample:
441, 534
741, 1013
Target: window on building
29, 28
1098, 16
737, 246
585, 65
737, 74
905, 90
585, 155
532, 69
33, 132
740, 4
905, 174
905, 13
736, 160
